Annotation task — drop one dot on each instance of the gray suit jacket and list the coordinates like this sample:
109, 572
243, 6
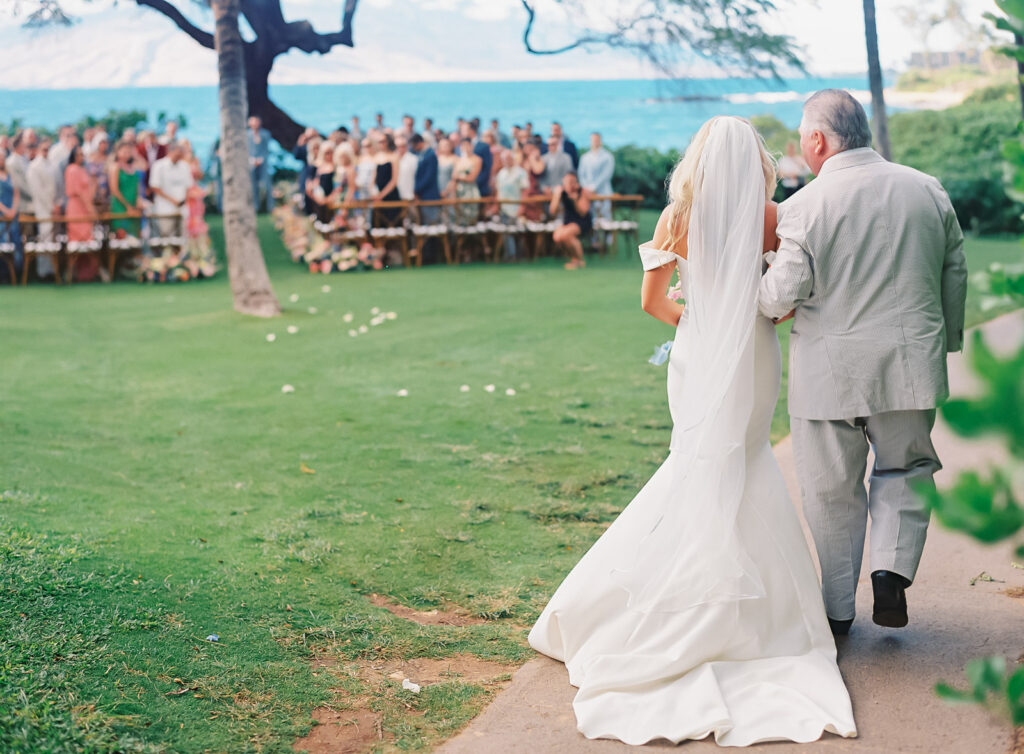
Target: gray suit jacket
871, 257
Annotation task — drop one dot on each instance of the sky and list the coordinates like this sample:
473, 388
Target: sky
117, 45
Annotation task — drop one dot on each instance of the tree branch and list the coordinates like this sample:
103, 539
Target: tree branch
204, 38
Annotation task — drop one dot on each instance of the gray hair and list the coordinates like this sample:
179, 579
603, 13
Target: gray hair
840, 117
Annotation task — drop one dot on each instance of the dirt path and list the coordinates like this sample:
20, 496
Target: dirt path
890, 673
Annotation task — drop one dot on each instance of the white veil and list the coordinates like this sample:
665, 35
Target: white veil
693, 545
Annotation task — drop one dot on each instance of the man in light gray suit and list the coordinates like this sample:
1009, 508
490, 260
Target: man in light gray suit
871, 260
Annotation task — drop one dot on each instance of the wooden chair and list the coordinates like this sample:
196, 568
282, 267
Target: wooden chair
423, 232
389, 224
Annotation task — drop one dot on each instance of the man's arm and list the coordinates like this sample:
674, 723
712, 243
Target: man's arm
787, 283
954, 277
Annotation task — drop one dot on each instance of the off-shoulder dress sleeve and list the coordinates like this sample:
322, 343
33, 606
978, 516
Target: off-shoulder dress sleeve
654, 258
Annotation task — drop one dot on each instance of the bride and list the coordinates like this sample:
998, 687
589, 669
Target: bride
698, 611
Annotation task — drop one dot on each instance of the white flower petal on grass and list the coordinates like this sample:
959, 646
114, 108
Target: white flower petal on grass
364, 329
375, 311
294, 297
347, 318
292, 329
311, 310
510, 391
410, 686
403, 393
391, 315
271, 337
352, 333
287, 389
464, 389
489, 388
325, 288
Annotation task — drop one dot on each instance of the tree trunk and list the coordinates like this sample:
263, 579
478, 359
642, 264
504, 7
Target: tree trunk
247, 270
875, 80
1018, 40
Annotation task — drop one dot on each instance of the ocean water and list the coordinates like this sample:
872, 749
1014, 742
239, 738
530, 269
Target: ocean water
653, 113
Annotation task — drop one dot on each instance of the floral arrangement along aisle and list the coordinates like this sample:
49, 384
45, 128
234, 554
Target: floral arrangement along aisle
326, 249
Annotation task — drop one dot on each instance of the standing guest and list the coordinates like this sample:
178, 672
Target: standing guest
366, 174
17, 164
81, 193
565, 143
321, 186
518, 135
533, 163
499, 137
446, 159
168, 138
512, 183
59, 152
258, 140
10, 206
379, 122
428, 133
386, 179
354, 131
528, 131
793, 170
466, 175
170, 179
301, 153
482, 150
97, 165
125, 196
149, 151
87, 136
5, 144
344, 180
426, 179
596, 169
407, 164
42, 187
200, 259
408, 127
574, 201
557, 164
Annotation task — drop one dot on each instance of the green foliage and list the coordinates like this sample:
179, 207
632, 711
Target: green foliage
962, 146
642, 170
776, 134
1008, 92
990, 685
925, 80
114, 122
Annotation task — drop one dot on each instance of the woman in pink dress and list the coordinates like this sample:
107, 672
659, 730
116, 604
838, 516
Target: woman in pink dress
81, 192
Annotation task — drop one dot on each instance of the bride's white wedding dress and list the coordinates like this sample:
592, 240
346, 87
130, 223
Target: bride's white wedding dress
698, 611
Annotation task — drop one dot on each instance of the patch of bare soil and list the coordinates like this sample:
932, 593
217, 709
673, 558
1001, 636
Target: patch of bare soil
429, 617
341, 732
358, 728
1016, 592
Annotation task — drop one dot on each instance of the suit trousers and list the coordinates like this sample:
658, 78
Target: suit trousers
831, 460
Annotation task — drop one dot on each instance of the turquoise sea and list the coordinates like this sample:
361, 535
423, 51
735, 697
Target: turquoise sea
654, 113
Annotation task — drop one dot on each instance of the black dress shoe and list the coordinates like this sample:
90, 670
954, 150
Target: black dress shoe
840, 627
890, 599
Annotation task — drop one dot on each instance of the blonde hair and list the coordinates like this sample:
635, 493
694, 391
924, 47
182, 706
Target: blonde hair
684, 175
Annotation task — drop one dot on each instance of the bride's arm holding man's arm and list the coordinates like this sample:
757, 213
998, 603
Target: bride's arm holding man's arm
790, 279
653, 292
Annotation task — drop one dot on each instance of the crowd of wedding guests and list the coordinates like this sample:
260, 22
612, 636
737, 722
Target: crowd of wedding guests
426, 162
150, 181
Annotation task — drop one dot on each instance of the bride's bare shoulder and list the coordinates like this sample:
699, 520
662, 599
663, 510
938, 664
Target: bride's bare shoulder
664, 233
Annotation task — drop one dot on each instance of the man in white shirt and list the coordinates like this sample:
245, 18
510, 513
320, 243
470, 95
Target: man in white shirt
42, 185
407, 163
596, 169
170, 179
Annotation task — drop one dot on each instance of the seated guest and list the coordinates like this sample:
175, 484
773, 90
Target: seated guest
565, 143
596, 169
557, 164
170, 179
426, 183
81, 209
574, 201
10, 206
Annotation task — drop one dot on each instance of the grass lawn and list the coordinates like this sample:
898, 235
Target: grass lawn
159, 487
